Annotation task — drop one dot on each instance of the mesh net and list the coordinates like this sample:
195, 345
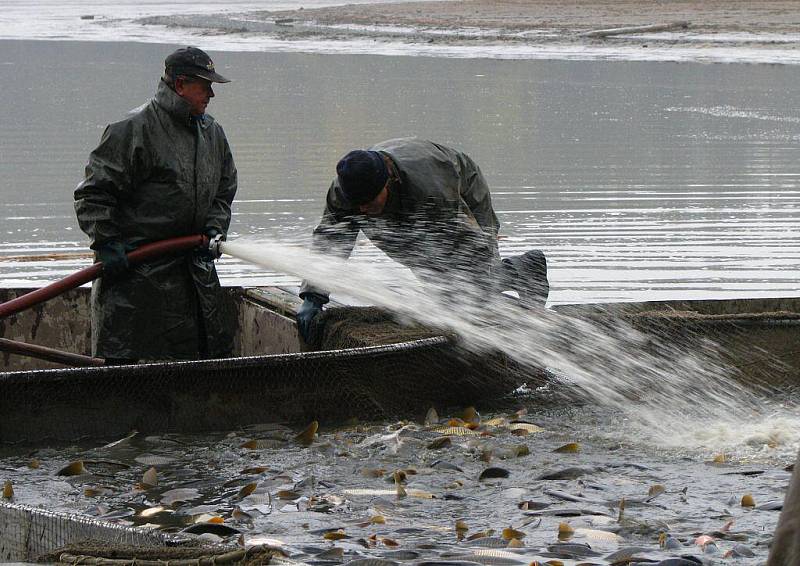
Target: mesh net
33, 534
370, 367
758, 348
28, 533
358, 327
365, 383
101, 553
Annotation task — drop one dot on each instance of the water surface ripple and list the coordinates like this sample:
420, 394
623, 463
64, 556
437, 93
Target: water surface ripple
641, 181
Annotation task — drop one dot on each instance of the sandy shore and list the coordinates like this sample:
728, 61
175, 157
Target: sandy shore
769, 27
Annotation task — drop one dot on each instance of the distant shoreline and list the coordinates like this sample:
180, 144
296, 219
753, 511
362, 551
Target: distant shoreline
701, 31
717, 30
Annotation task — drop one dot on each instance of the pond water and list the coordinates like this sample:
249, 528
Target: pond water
556, 483
641, 181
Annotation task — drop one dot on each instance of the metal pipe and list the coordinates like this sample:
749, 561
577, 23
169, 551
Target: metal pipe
49, 354
139, 255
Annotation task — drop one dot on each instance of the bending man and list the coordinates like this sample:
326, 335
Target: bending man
428, 207
164, 171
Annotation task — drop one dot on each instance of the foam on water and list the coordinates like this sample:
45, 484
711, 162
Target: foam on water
662, 394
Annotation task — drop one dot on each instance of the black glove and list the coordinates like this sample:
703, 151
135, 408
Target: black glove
113, 256
205, 253
307, 317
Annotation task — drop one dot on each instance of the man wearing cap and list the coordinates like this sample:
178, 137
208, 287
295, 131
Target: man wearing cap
164, 171
428, 207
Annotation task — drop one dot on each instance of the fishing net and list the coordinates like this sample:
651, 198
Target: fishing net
28, 533
358, 327
370, 367
100, 553
33, 534
758, 349
754, 340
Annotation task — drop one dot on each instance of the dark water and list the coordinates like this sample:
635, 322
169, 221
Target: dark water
344, 481
639, 180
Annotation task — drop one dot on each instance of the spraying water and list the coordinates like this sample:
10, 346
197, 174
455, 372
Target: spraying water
671, 395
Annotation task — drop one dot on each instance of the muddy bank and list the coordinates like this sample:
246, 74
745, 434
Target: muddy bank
714, 16
737, 27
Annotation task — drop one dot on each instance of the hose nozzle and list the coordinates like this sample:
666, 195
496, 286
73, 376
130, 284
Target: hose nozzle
215, 246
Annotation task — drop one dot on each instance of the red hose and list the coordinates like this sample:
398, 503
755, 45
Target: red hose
139, 255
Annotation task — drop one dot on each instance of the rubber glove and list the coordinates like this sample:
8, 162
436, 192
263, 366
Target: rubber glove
307, 314
114, 258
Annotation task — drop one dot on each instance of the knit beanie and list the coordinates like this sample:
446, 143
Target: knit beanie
362, 175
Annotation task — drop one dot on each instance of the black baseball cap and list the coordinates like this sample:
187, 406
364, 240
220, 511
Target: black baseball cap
192, 62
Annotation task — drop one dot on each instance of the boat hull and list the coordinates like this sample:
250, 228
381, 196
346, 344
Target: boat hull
395, 373
271, 380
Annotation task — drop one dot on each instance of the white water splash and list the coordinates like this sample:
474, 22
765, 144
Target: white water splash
669, 395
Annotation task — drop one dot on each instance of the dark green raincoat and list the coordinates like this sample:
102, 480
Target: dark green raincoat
159, 174
439, 219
